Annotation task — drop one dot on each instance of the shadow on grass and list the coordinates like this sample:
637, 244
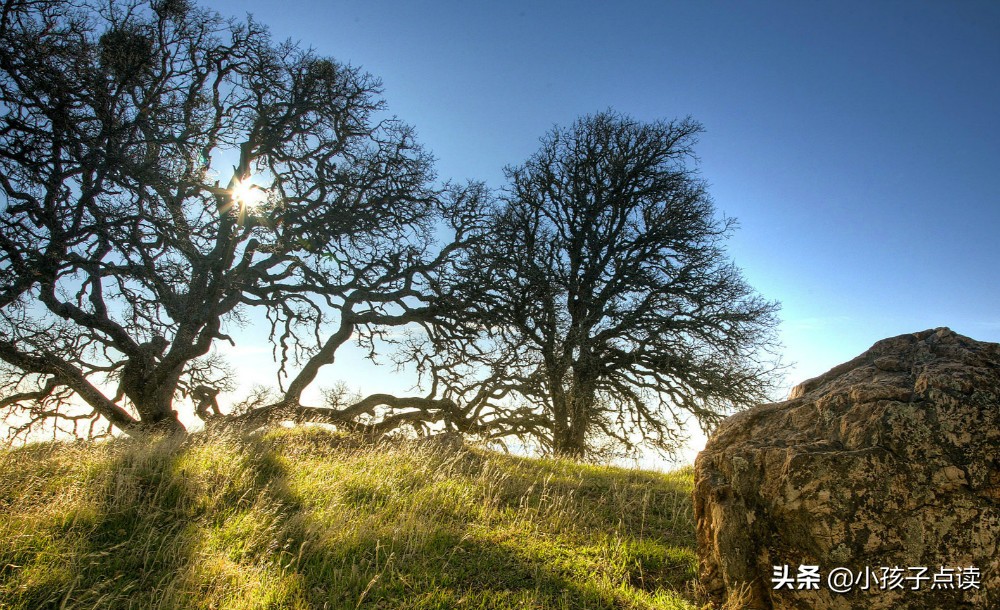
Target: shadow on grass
136, 534
545, 535
210, 523
103, 543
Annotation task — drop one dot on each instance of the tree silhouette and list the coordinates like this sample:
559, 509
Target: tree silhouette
604, 297
163, 172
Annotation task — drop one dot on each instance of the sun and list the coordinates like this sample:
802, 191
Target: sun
247, 194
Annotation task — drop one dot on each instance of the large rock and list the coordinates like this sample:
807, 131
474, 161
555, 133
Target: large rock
891, 460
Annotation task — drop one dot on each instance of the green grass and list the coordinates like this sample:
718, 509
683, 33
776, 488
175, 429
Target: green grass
304, 519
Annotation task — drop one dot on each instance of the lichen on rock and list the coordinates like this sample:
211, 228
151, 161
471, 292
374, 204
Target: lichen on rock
891, 460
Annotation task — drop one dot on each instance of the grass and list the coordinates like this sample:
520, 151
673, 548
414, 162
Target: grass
303, 519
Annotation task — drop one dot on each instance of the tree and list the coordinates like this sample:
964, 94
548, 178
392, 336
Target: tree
605, 298
123, 260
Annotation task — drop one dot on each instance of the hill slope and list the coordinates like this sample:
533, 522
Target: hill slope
301, 519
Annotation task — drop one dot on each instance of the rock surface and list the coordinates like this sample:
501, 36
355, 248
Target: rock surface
891, 460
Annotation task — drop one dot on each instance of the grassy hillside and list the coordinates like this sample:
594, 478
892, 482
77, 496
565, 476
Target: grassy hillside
300, 519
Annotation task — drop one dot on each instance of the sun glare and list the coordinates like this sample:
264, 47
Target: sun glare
247, 194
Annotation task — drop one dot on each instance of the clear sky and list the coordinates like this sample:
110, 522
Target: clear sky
858, 143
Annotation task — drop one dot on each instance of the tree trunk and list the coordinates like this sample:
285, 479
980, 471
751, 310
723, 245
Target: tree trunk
570, 438
561, 423
151, 395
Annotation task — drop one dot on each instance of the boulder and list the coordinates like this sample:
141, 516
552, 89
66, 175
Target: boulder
875, 485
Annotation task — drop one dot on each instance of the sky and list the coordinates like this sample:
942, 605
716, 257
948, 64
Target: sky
857, 143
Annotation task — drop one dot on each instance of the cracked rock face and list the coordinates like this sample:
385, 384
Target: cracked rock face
891, 460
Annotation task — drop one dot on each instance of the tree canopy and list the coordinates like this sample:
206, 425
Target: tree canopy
163, 171
605, 297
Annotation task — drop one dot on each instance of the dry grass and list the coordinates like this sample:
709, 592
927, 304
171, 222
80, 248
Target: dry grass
301, 519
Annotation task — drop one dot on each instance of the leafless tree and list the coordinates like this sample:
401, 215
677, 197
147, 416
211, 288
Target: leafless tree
163, 172
608, 309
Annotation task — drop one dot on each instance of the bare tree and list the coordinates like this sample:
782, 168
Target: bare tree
162, 172
608, 309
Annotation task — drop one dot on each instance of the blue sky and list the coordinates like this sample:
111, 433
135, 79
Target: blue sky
858, 143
